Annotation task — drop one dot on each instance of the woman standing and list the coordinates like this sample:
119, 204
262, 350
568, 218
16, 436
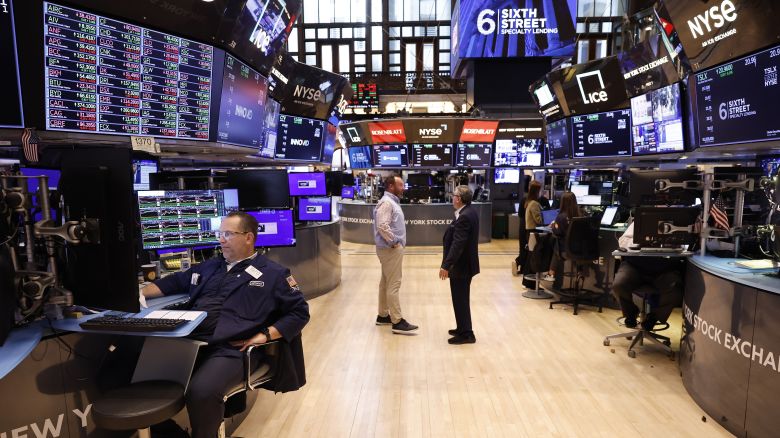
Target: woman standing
532, 215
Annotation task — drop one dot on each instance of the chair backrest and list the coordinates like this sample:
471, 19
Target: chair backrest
582, 240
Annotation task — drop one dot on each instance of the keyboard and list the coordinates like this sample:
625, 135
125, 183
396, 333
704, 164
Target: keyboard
122, 324
661, 250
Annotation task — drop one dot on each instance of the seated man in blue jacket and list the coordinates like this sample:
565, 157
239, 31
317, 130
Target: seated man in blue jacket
249, 300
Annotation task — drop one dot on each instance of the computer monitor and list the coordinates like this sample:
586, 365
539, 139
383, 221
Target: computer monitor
419, 180
655, 226
141, 171
316, 209
183, 218
258, 189
348, 192
360, 157
32, 183
589, 200
609, 216
643, 184
580, 190
548, 216
507, 176
307, 184
275, 228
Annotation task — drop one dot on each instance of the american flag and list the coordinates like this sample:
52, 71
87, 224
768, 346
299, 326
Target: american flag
718, 213
30, 142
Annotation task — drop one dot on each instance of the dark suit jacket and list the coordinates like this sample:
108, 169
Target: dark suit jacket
461, 257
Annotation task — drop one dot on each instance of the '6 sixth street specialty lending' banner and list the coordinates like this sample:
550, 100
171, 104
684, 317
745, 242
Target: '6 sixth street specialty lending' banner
514, 28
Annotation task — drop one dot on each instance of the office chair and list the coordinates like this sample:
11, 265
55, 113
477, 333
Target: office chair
581, 249
640, 334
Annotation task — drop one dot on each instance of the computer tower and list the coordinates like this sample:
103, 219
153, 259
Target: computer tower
97, 183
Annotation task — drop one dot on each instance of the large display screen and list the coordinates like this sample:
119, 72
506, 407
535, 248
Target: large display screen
184, 218
364, 95
488, 29
716, 31
592, 87
311, 92
602, 135
259, 188
431, 130
11, 114
558, 139
657, 124
507, 176
299, 138
274, 228
737, 102
242, 105
109, 77
307, 184
432, 155
473, 155
390, 155
360, 157
518, 152
270, 127
648, 66
353, 134
314, 209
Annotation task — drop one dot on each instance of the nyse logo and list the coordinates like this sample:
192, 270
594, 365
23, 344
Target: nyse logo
244, 113
713, 18
299, 142
434, 132
594, 96
308, 93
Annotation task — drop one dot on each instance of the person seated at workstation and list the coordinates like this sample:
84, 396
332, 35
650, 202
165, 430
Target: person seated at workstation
560, 226
664, 274
249, 300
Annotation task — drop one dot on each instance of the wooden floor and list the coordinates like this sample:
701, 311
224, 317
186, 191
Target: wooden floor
533, 371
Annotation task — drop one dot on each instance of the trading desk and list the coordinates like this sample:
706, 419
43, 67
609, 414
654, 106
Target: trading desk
730, 349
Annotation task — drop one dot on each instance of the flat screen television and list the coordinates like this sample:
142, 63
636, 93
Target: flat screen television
473, 155
507, 176
602, 135
360, 157
307, 184
259, 189
348, 192
657, 122
316, 209
558, 139
275, 228
520, 152
242, 105
270, 127
432, 155
390, 155
299, 138
141, 171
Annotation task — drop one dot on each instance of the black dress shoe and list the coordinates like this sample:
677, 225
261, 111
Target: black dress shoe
462, 339
453, 332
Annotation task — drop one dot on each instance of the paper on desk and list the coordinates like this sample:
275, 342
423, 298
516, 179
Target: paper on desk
173, 314
756, 264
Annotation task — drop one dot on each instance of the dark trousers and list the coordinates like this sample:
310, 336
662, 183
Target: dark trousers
668, 284
460, 289
213, 377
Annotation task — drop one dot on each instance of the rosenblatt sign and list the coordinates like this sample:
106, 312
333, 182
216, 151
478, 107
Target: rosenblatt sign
387, 132
479, 131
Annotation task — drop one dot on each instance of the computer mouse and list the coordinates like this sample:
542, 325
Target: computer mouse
621, 249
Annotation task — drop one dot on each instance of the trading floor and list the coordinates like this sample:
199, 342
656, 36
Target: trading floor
533, 371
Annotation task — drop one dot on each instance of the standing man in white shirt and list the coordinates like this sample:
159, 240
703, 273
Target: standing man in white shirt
390, 238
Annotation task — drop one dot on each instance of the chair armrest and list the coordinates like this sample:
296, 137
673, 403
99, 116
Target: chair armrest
248, 362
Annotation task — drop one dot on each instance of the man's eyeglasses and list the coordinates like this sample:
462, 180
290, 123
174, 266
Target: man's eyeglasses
228, 234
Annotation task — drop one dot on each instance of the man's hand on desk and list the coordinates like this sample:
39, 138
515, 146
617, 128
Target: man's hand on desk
151, 291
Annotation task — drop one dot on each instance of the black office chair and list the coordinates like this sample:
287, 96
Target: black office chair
643, 294
581, 249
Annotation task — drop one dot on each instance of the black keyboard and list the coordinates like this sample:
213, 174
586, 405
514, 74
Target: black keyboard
121, 324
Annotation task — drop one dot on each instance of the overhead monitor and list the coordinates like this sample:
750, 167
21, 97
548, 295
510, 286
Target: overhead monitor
360, 157
602, 135
11, 113
431, 130
387, 132
737, 102
270, 128
329, 143
558, 139
141, 171
314, 209
390, 155
147, 83
479, 131
353, 134
526, 152
364, 95
432, 155
511, 129
242, 105
592, 87
183, 218
657, 122
260, 188
546, 100
307, 184
299, 138
348, 192
648, 65
473, 155
506, 176
275, 228
311, 92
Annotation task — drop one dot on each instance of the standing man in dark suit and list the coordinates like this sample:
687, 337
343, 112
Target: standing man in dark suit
461, 262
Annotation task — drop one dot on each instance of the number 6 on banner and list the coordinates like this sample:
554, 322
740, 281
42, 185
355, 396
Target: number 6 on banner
486, 18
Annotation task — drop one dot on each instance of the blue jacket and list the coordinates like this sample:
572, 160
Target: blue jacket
271, 299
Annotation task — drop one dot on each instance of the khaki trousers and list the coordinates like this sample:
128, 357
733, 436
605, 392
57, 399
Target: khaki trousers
392, 260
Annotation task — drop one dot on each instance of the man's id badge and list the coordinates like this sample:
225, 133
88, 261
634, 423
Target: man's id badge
251, 270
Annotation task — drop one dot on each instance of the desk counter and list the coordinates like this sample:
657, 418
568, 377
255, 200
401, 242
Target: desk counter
425, 223
730, 348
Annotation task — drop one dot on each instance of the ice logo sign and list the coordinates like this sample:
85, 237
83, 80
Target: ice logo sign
593, 96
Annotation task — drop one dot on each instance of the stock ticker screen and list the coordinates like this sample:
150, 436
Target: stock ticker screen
109, 77
602, 135
242, 107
